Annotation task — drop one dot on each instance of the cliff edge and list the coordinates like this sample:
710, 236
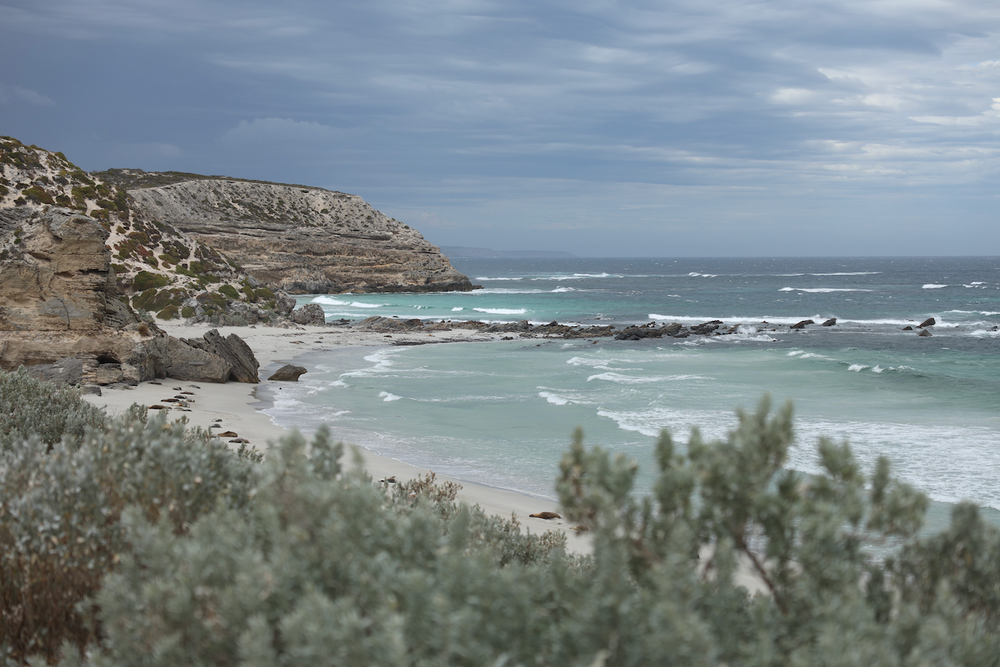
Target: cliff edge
303, 240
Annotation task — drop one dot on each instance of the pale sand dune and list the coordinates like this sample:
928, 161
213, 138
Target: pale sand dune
273, 347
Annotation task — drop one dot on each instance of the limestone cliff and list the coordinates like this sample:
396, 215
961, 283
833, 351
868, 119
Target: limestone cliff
304, 240
61, 306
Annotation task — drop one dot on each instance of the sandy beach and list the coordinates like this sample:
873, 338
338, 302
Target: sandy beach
233, 402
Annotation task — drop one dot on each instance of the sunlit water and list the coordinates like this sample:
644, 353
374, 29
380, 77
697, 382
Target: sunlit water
502, 413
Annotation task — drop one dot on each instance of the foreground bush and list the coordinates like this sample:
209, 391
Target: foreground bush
29, 407
294, 561
61, 506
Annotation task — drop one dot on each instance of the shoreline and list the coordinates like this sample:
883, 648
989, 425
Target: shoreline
233, 403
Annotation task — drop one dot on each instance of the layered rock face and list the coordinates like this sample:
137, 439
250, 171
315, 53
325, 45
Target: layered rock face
56, 273
299, 239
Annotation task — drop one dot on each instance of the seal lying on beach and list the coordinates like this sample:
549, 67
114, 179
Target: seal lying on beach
545, 515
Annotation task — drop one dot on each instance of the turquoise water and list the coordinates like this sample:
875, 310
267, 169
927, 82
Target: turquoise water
502, 413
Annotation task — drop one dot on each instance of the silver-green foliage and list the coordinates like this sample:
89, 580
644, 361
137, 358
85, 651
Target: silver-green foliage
49, 411
60, 516
325, 568
147, 544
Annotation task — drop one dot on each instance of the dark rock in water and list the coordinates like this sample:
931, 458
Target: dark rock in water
925, 332
706, 327
287, 373
929, 322
802, 324
309, 314
907, 328
672, 329
830, 322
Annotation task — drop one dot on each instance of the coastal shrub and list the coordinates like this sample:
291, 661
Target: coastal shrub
212, 298
187, 312
168, 313
145, 280
298, 561
154, 300
46, 410
230, 291
324, 568
61, 529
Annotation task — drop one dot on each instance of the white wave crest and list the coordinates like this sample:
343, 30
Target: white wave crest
502, 290
457, 309
560, 290
329, 301
501, 311
848, 273
554, 399
933, 286
387, 397
695, 274
498, 279
823, 290
361, 304
618, 378
857, 368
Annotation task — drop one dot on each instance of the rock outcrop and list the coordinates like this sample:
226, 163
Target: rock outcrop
303, 240
310, 314
233, 350
55, 273
287, 373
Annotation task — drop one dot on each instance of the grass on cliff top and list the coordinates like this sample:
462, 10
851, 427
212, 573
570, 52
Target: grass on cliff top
137, 179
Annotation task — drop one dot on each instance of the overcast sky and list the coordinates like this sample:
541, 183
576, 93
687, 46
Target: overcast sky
644, 128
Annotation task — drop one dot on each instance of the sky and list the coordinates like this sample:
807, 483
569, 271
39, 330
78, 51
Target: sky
633, 128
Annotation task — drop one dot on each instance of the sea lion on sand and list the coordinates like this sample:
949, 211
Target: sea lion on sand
545, 515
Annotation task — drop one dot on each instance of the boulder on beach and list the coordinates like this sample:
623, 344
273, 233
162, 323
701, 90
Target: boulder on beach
310, 314
287, 373
233, 350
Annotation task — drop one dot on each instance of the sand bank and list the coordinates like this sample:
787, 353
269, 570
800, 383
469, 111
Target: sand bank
232, 404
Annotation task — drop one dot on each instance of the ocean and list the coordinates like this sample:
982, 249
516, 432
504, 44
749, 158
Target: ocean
503, 413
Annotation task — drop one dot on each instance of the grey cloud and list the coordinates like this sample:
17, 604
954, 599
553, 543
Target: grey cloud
17, 94
493, 104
